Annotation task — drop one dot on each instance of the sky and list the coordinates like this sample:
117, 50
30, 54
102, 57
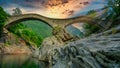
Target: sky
53, 8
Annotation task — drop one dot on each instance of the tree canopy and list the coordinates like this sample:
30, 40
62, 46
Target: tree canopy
3, 17
114, 6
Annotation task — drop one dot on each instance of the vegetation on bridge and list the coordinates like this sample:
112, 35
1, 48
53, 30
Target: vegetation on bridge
90, 28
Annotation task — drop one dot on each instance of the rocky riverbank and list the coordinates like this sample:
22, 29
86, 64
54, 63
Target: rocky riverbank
97, 51
14, 49
11, 44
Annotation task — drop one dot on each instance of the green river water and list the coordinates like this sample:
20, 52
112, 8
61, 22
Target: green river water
20, 61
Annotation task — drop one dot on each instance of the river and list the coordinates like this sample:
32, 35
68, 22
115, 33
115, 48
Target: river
20, 61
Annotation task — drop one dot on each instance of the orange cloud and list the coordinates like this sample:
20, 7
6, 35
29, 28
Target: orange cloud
60, 8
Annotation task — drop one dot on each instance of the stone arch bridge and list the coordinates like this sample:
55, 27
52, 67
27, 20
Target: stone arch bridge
50, 21
62, 23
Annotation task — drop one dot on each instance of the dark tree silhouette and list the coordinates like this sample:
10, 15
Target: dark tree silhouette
17, 11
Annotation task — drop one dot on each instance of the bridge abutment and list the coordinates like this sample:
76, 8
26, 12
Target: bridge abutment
61, 34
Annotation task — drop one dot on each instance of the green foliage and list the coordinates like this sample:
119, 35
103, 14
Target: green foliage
90, 28
39, 27
17, 11
92, 13
113, 11
114, 31
7, 43
26, 33
114, 5
3, 17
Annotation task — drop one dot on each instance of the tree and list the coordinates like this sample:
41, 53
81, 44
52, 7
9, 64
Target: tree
17, 11
27, 34
114, 6
3, 17
90, 28
112, 13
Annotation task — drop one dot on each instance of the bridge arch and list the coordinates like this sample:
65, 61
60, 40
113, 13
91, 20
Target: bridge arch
17, 19
25, 19
84, 19
50, 21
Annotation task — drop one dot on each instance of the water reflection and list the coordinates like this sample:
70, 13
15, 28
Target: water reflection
20, 61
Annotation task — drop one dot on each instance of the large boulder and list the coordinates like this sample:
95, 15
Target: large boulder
48, 44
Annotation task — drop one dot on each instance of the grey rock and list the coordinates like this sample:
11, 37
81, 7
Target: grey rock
92, 52
96, 51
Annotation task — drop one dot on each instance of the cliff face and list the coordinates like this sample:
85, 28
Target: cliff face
14, 50
11, 44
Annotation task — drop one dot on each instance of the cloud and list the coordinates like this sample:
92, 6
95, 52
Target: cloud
48, 8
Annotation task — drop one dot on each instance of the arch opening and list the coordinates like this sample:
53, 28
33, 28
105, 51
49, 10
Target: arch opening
34, 31
82, 29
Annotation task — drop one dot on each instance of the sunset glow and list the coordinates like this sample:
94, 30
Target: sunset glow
49, 8
53, 8
66, 10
